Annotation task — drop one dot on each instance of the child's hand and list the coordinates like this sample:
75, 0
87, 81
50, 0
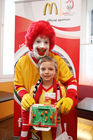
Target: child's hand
66, 104
27, 101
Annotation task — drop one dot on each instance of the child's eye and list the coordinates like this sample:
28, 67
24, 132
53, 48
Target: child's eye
42, 69
51, 69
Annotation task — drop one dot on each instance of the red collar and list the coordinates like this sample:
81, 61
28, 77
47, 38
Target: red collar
35, 60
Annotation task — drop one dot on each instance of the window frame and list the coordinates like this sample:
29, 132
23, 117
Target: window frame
3, 77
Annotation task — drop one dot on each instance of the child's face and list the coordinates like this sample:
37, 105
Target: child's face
47, 71
41, 47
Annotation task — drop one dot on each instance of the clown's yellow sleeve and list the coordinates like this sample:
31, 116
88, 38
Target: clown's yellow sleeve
18, 80
26, 75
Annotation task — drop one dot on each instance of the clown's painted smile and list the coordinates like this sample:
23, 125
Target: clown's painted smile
41, 51
41, 47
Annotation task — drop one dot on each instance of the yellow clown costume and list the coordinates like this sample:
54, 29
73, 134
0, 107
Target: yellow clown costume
27, 74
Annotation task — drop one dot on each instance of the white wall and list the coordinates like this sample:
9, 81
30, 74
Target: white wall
83, 22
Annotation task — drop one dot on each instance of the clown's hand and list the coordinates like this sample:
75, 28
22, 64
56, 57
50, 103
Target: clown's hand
66, 104
27, 101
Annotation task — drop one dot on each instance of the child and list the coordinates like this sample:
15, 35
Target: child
47, 90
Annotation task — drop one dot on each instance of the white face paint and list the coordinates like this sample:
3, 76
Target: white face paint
41, 47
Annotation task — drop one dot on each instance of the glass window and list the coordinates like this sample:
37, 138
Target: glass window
7, 27
8, 49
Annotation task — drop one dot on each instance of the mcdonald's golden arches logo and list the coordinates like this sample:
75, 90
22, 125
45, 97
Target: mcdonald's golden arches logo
50, 7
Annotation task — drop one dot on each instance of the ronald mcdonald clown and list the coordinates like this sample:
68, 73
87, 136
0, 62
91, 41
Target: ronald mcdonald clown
40, 39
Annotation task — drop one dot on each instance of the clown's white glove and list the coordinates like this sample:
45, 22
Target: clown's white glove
66, 104
27, 101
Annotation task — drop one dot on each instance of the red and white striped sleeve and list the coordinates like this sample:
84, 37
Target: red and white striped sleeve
21, 91
71, 86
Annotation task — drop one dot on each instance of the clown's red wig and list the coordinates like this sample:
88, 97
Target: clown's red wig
42, 28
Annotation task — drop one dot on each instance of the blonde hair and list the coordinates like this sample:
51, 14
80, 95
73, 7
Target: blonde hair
47, 59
